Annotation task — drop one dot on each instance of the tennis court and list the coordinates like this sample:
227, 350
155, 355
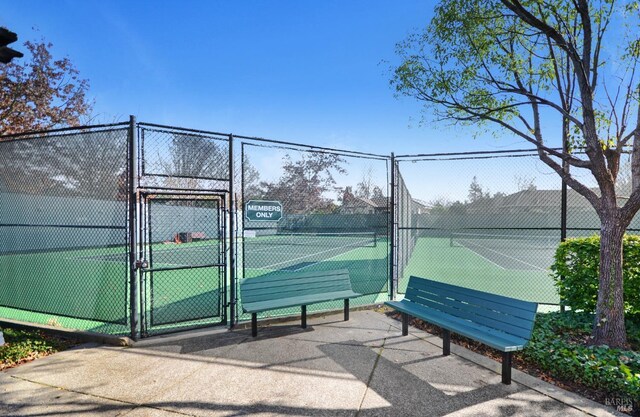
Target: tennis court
511, 265
299, 251
181, 286
89, 284
364, 254
515, 252
171, 206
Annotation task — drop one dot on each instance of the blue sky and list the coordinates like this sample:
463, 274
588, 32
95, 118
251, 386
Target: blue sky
310, 72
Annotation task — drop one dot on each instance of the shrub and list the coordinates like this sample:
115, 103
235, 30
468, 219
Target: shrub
23, 346
558, 346
575, 272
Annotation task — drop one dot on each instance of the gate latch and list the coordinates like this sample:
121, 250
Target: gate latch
142, 264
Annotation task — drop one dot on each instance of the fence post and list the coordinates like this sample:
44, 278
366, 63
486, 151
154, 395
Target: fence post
393, 232
563, 206
132, 227
232, 258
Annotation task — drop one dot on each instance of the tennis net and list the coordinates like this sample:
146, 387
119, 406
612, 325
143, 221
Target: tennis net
338, 240
504, 241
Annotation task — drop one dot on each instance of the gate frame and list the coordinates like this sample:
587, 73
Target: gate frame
143, 194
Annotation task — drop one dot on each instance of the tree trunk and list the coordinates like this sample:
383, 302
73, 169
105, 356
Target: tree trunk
609, 327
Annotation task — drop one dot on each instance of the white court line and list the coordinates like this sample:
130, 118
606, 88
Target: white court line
313, 254
326, 259
485, 258
535, 267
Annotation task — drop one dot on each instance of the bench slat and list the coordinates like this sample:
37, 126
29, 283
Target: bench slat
277, 291
491, 337
288, 280
257, 307
314, 288
472, 308
519, 308
498, 321
500, 299
295, 289
500, 340
478, 315
481, 308
292, 286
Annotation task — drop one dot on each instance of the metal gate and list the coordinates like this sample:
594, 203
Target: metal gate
183, 253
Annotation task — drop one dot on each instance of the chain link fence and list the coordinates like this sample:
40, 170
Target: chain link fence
63, 228
184, 184
182, 159
406, 214
334, 215
485, 221
142, 229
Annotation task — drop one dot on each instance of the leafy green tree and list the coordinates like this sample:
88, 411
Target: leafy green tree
543, 70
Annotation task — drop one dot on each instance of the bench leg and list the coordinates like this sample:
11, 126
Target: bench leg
405, 324
254, 324
446, 342
506, 367
346, 309
304, 317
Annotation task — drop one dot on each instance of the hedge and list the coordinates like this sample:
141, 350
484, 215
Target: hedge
575, 272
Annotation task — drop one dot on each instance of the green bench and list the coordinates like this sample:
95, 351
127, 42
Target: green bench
500, 322
292, 290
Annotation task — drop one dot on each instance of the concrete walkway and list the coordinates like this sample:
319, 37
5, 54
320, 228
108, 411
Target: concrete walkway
363, 367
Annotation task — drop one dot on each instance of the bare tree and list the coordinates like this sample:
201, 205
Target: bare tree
539, 69
40, 92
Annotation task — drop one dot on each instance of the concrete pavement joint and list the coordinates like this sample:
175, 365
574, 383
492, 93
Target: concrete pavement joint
373, 370
133, 404
42, 384
124, 413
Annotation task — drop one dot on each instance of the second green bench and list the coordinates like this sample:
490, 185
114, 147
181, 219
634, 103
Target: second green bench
292, 290
503, 323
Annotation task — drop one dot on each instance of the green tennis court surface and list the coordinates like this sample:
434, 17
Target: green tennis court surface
298, 251
365, 255
507, 265
87, 284
88, 288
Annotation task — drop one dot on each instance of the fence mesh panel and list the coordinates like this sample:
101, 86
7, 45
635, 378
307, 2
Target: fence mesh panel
488, 222
185, 177
406, 214
184, 279
63, 229
335, 211
172, 158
